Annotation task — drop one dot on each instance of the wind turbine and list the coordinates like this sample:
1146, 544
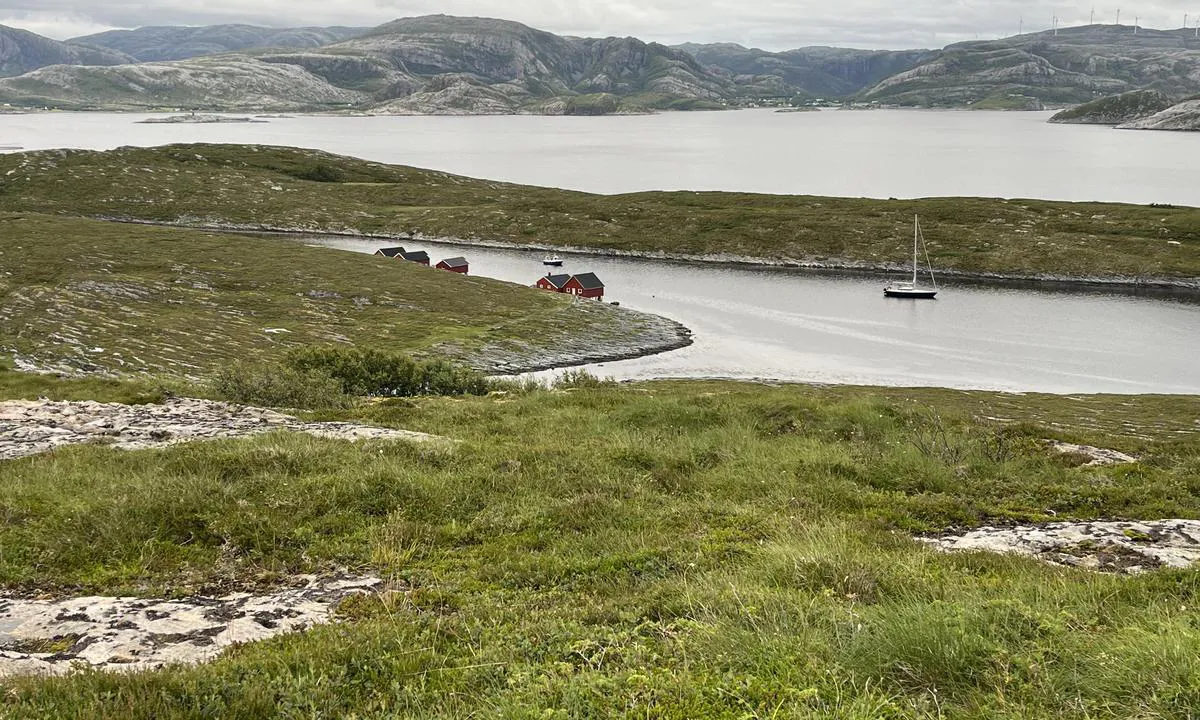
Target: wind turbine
1092, 20
1118, 16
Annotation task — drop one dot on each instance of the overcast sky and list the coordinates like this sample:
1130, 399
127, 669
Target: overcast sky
768, 24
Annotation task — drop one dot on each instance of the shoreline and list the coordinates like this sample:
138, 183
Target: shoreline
1185, 285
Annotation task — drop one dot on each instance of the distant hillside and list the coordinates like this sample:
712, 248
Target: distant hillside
227, 82
1184, 116
1116, 109
22, 51
826, 72
180, 43
1073, 66
434, 64
539, 63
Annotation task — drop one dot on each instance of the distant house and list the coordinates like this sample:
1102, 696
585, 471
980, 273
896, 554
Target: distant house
454, 264
585, 285
390, 252
552, 282
417, 256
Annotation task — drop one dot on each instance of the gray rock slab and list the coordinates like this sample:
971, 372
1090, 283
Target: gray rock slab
29, 427
1113, 546
129, 634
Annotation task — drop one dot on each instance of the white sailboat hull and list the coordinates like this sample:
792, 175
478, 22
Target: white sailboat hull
909, 292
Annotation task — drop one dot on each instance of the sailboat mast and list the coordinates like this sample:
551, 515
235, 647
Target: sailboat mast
915, 231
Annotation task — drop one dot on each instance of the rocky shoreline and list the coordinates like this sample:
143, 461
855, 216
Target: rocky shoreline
1096, 281
641, 335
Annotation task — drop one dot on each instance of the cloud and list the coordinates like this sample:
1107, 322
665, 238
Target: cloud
769, 24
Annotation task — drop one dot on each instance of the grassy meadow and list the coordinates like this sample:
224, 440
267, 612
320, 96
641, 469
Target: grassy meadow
93, 296
661, 550
669, 550
258, 186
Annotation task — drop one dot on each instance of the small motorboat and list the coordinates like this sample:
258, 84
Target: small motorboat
554, 260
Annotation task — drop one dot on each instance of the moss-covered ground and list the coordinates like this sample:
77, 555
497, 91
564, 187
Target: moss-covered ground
662, 550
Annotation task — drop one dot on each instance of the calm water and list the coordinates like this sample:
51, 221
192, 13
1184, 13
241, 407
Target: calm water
878, 153
795, 325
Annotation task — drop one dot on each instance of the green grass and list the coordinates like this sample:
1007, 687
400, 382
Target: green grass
666, 550
266, 187
98, 296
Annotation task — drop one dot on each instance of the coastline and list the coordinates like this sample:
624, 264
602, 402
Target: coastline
1188, 285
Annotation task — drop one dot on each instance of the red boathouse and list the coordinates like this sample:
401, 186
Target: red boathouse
454, 264
552, 282
585, 285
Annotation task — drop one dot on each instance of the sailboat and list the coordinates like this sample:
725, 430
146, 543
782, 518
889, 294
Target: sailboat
912, 289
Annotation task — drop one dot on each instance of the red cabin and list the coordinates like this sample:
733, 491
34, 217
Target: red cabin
585, 285
391, 252
554, 283
454, 264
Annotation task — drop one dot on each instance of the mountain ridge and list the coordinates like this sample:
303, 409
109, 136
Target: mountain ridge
465, 65
173, 42
22, 51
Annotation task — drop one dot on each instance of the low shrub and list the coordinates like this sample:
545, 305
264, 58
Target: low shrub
278, 386
581, 378
367, 371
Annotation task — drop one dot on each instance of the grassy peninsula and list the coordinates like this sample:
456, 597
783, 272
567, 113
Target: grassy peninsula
665, 550
86, 295
306, 190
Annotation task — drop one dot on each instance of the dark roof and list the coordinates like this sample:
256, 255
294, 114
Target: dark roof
454, 262
416, 256
557, 280
589, 281
390, 252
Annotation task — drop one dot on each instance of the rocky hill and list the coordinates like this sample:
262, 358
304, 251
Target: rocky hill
1116, 109
538, 64
824, 72
179, 43
227, 82
1184, 116
435, 64
22, 51
1075, 65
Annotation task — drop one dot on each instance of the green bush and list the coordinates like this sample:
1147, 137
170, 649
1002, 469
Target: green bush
319, 172
581, 378
278, 386
376, 372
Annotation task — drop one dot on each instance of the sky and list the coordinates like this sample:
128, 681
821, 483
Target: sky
767, 24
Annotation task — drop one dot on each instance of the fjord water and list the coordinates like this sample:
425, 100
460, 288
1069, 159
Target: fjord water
793, 325
851, 153
837, 328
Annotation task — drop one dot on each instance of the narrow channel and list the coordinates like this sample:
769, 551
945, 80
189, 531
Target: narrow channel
806, 326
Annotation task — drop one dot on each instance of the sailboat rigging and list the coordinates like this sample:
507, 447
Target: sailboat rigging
913, 289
